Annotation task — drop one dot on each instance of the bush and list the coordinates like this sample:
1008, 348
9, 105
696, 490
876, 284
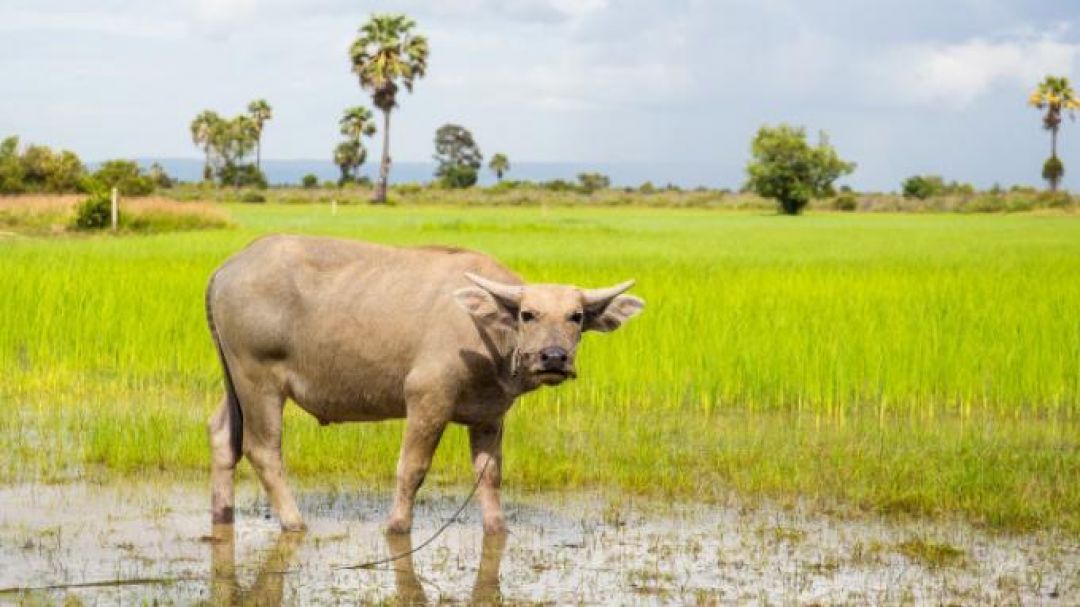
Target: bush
845, 201
408, 189
923, 186
591, 182
1053, 170
94, 213
125, 176
647, 188
309, 181
252, 197
558, 185
242, 176
458, 176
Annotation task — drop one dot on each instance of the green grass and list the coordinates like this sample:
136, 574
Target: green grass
924, 364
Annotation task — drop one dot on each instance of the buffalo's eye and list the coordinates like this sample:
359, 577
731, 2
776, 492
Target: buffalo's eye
527, 316
577, 317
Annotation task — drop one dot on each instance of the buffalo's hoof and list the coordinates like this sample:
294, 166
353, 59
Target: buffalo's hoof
293, 526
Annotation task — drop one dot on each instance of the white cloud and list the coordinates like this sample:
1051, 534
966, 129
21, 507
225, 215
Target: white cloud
137, 26
958, 74
217, 18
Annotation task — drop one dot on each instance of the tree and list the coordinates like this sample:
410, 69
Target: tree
591, 182
499, 164
1054, 95
357, 122
458, 156
231, 141
387, 53
786, 168
348, 156
202, 129
11, 170
124, 175
259, 111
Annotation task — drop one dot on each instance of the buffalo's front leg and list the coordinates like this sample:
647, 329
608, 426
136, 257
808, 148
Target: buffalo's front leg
422, 434
485, 441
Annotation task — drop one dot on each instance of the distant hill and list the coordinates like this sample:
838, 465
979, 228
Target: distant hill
278, 172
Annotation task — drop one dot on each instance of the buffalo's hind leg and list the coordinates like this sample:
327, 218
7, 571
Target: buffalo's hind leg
223, 459
262, 411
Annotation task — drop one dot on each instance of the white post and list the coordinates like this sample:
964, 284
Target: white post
333, 206
115, 209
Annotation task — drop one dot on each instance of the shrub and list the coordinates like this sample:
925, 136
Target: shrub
591, 182
845, 201
252, 197
458, 176
242, 176
923, 186
94, 213
309, 181
408, 189
647, 188
558, 185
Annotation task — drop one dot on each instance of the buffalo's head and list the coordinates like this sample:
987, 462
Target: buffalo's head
544, 322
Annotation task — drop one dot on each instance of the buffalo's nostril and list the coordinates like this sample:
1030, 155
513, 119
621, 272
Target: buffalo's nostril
553, 354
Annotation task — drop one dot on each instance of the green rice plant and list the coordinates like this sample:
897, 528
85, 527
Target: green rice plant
925, 364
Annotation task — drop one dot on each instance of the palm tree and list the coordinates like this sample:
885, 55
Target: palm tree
386, 53
260, 111
202, 132
1054, 95
348, 156
356, 122
499, 164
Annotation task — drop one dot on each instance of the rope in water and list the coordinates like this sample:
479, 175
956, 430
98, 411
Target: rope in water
453, 518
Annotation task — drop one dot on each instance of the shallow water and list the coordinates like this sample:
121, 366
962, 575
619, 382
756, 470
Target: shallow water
561, 549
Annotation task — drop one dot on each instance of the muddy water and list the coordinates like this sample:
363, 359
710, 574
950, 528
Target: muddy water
141, 543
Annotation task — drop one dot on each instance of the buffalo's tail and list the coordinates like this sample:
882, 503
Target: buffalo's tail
235, 417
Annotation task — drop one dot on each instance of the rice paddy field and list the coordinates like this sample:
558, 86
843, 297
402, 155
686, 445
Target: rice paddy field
906, 365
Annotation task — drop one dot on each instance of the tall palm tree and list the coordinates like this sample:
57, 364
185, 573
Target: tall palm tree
356, 122
202, 133
387, 53
260, 111
499, 164
1056, 96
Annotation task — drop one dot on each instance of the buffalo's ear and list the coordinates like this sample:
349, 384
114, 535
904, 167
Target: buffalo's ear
613, 313
477, 302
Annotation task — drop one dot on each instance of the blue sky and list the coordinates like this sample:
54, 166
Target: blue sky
901, 87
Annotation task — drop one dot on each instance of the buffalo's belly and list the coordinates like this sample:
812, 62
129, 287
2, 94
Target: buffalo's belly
336, 400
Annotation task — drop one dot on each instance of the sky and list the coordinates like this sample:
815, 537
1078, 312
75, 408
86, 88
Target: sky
920, 86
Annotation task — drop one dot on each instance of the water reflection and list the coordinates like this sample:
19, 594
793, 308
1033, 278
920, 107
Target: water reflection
485, 589
269, 583
269, 586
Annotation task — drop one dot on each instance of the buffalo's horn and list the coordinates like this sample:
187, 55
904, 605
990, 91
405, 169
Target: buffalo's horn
510, 294
598, 296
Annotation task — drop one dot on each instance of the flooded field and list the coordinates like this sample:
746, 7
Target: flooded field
123, 545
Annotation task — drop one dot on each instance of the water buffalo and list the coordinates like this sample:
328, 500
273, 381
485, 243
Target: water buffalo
352, 331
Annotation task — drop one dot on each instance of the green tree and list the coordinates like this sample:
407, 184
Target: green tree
11, 170
387, 52
202, 131
349, 155
786, 168
125, 176
357, 122
499, 165
1054, 96
591, 182
259, 111
231, 141
37, 162
457, 155
65, 173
